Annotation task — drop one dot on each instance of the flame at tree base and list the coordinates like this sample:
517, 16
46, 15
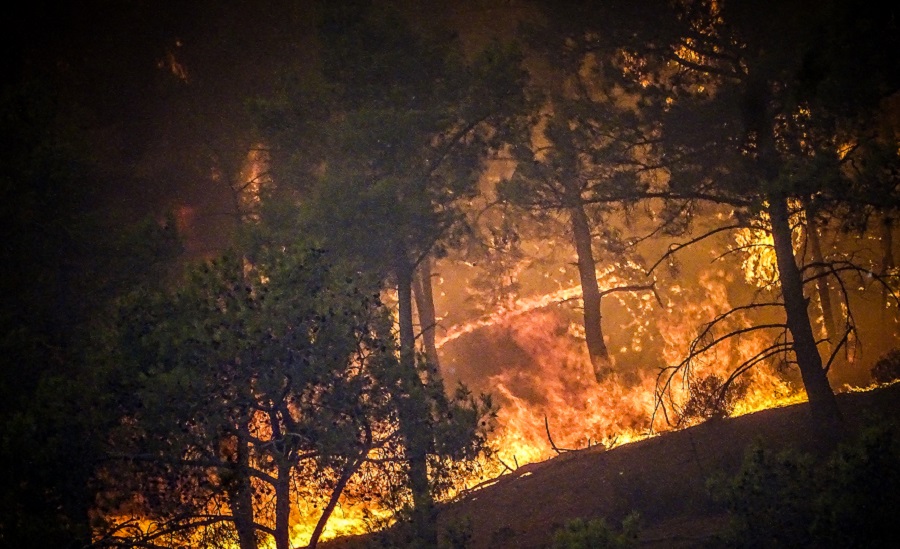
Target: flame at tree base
534, 362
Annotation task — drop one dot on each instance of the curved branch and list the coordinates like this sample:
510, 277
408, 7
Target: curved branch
675, 248
835, 268
705, 348
843, 341
763, 355
734, 310
550, 439
634, 288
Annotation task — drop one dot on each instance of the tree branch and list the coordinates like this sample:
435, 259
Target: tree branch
675, 248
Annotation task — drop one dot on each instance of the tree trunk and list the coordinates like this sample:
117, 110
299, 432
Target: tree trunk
283, 506
590, 293
240, 496
345, 477
414, 416
812, 232
822, 402
425, 308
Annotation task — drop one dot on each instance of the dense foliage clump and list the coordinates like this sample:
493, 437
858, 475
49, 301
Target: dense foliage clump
887, 368
597, 534
789, 499
711, 397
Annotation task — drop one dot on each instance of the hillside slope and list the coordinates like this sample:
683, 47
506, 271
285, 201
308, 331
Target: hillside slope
662, 478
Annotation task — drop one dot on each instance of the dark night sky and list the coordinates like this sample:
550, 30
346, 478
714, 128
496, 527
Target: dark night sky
162, 132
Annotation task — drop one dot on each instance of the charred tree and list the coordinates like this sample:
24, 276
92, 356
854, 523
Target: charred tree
590, 292
822, 291
758, 119
414, 413
822, 402
423, 291
584, 165
240, 493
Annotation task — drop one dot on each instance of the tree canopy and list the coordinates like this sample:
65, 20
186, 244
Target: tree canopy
753, 116
139, 407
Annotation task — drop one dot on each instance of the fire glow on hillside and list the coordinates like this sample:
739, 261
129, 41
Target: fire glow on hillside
529, 353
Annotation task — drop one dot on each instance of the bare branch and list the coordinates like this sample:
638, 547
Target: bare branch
550, 438
837, 348
675, 248
634, 288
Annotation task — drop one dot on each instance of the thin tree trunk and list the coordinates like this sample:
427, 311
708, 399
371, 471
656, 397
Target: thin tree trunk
822, 402
283, 506
812, 231
81, 512
414, 416
241, 496
590, 292
345, 477
422, 289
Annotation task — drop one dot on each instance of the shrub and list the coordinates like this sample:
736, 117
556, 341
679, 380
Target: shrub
768, 500
596, 534
861, 492
709, 398
887, 368
457, 534
790, 500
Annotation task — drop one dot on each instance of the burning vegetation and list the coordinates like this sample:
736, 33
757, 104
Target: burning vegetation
449, 262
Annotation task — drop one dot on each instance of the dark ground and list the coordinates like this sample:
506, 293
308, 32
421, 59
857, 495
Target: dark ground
662, 478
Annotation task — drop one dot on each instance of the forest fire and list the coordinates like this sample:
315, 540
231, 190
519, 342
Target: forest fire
531, 357
680, 354
289, 271
549, 397
549, 403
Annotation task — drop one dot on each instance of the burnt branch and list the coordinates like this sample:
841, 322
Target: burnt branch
697, 351
550, 438
634, 288
703, 343
707, 329
675, 248
836, 268
843, 341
